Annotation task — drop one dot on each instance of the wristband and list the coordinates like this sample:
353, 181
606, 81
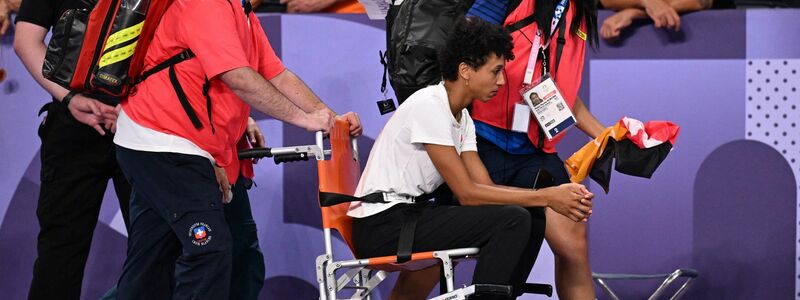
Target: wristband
68, 98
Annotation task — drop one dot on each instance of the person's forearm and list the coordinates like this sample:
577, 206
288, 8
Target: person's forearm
685, 6
297, 91
637, 13
617, 5
586, 121
29, 46
484, 194
262, 95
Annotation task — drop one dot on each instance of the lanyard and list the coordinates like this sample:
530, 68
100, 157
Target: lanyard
537, 42
247, 9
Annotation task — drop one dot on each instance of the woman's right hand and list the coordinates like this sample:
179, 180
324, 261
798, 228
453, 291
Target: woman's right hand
571, 200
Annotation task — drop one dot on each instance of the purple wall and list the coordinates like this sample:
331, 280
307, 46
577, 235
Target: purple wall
701, 209
724, 201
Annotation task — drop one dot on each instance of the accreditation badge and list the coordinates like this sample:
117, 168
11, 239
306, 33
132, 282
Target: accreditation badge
548, 106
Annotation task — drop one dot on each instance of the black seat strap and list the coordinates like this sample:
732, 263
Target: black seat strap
411, 213
330, 199
405, 242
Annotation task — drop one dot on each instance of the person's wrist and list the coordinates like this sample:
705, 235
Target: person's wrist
68, 98
545, 196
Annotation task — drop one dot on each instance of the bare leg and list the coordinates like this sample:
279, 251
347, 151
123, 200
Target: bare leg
570, 247
415, 285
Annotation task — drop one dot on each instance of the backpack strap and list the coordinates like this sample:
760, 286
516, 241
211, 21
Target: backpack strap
174, 60
187, 107
176, 84
520, 24
512, 5
206, 88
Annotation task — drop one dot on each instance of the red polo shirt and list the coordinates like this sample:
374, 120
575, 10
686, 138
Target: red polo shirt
223, 39
499, 111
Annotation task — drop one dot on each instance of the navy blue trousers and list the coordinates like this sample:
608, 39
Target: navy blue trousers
176, 211
247, 275
519, 170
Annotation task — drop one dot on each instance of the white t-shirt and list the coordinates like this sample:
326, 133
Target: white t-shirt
137, 137
398, 163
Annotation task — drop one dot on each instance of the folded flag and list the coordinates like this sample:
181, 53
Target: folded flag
636, 149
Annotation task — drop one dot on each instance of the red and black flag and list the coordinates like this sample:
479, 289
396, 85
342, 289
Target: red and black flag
632, 147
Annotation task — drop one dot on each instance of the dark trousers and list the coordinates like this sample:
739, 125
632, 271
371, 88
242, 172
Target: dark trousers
77, 164
247, 275
508, 236
248, 260
176, 210
520, 171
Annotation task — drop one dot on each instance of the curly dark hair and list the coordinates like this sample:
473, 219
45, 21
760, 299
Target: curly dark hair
471, 41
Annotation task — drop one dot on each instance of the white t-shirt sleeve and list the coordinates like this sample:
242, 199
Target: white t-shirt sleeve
470, 139
428, 125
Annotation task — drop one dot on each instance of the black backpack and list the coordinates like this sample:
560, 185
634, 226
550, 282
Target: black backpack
415, 30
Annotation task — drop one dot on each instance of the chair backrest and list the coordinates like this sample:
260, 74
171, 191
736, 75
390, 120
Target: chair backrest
340, 175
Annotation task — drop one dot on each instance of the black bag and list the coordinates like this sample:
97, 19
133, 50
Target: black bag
415, 31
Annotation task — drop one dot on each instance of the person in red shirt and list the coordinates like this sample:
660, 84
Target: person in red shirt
514, 158
177, 136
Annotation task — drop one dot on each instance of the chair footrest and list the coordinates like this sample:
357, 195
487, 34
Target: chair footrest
476, 289
493, 289
538, 288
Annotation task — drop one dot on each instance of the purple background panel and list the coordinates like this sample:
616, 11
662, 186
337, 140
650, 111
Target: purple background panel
21, 98
753, 229
701, 37
772, 33
646, 225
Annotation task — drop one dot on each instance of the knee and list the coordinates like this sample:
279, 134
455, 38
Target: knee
517, 219
574, 249
538, 222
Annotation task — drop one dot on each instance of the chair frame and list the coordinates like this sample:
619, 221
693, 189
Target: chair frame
669, 278
365, 274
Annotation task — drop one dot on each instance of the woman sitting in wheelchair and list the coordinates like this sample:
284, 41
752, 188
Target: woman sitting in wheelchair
430, 140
